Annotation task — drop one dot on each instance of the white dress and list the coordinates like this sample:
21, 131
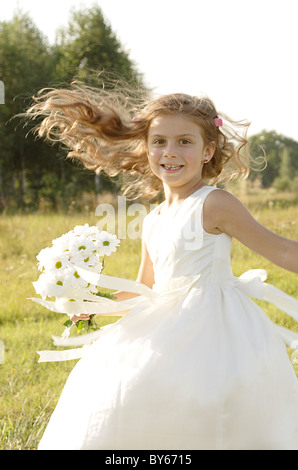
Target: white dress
198, 366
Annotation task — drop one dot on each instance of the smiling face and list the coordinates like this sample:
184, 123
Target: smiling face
176, 150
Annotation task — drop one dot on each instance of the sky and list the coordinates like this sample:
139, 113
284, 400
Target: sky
242, 54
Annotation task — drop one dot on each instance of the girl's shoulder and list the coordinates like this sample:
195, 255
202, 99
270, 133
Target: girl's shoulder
222, 203
222, 200
220, 208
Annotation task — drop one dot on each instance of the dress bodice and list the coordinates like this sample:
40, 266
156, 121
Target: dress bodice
180, 247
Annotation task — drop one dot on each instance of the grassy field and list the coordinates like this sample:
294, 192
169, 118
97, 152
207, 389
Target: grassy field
29, 391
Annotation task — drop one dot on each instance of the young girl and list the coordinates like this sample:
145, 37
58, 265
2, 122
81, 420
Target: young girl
195, 364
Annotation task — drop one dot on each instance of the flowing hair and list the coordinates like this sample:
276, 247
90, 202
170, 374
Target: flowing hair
107, 129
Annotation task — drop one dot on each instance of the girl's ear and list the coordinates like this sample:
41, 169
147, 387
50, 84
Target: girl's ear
209, 151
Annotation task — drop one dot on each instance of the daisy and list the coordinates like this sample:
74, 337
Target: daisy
106, 243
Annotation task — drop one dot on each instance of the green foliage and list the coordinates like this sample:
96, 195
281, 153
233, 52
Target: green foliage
282, 160
88, 43
24, 68
32, 173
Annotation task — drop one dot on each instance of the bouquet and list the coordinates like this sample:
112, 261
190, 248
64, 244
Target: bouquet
83, 247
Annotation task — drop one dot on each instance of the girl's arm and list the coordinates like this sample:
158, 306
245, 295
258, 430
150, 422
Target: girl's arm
224, 213
145, 276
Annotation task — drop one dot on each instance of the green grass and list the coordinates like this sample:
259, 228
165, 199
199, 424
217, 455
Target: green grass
28, 390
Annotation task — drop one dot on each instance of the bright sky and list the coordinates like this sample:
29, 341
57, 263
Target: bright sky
242, 54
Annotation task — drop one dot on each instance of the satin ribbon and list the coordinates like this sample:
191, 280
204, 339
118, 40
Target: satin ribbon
251, 283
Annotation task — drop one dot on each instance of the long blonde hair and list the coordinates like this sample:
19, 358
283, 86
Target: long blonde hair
107, 129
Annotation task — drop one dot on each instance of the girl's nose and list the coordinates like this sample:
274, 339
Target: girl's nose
170, 151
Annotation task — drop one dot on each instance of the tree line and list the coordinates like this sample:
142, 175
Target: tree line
32, 171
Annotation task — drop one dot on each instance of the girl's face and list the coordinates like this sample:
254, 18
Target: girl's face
176, 150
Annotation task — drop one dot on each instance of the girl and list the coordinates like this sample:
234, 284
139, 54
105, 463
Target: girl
195, 364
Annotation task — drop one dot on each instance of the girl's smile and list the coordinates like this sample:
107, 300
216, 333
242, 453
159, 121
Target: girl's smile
171, 168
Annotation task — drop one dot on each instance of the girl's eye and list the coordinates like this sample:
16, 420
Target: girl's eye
158, 141
184, 141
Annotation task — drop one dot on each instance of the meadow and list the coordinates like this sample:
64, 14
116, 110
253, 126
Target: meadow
29, 390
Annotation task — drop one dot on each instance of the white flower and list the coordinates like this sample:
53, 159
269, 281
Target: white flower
52, 259
43, 257
41, 286
93, 261
75, 281
86, 231
81, 229
77, 259
62, 243
81, 245
106, 243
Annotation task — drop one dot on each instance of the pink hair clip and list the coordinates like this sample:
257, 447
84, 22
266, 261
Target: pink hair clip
218, 122
135, 119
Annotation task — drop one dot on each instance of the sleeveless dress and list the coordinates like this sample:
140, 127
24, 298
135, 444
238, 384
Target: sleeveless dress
197, 365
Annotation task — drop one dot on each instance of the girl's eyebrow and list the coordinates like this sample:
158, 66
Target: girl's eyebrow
180, 135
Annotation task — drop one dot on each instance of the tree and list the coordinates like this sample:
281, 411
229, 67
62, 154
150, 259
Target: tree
24, 68
30, 169
89, 44
85, 48
281, 154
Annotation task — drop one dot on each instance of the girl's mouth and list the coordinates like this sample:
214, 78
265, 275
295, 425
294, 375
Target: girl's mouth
171, 168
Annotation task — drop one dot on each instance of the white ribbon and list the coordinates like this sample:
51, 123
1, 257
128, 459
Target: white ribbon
102, 305
99, 304
57, 356
252, 284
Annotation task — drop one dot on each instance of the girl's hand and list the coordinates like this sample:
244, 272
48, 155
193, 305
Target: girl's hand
76, 318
